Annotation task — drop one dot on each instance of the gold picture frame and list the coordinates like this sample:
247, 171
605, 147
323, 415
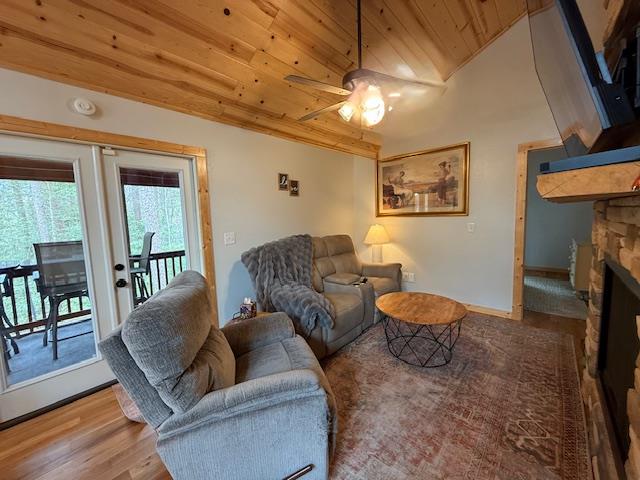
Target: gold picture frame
432, 182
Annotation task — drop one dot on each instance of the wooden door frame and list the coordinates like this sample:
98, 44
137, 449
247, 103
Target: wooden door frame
517, 308
52, 131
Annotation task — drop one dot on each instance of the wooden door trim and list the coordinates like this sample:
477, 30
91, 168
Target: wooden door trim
517, 308
46, 130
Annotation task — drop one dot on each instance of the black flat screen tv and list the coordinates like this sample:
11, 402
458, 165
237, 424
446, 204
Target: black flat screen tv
594, 96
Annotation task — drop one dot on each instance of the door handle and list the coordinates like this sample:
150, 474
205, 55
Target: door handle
121, 283
118, 267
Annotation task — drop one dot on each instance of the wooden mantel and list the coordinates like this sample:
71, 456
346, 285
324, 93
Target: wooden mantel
589, 184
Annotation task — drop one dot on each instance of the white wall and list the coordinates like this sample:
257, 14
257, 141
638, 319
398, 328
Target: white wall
243, 169
495, 102
550, 227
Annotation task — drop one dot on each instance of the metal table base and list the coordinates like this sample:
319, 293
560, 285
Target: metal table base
424, 346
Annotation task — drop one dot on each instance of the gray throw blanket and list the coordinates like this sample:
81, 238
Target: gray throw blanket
281, 275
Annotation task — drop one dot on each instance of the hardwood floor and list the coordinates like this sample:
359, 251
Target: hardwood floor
91, 439
87, 439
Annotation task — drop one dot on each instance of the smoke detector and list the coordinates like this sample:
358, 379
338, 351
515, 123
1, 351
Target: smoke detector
83, 106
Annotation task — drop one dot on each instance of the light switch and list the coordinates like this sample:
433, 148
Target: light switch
229, 238
471, 227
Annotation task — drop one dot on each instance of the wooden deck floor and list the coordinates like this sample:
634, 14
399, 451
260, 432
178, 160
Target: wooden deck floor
91, 439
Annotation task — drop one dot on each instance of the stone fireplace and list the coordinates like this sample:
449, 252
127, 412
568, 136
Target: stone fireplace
611, 378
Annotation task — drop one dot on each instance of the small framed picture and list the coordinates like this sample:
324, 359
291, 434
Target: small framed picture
294, 188
283, 181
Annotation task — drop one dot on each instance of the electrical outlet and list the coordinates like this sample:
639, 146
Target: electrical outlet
229, 238
408, 277
471, 227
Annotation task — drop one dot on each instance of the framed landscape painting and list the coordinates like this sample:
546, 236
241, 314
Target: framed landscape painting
430, 182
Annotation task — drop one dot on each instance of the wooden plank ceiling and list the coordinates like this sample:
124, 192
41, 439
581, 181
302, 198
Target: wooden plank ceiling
225, 60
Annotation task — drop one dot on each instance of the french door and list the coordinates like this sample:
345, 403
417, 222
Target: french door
86, 235
153, 215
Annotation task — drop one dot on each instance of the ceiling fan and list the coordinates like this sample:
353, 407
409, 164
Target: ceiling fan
366, 89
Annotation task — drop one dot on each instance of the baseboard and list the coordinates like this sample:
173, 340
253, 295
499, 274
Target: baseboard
53, 406
494, 312
547, 272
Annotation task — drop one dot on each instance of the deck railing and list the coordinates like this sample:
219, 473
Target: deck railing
164, 266
28, 310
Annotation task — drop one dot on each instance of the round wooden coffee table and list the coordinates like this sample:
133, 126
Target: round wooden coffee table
421, 328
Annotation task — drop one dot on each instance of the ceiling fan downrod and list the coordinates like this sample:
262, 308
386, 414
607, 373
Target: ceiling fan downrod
359, 19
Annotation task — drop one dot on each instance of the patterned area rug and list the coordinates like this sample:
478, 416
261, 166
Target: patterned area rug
550, 295
507, 407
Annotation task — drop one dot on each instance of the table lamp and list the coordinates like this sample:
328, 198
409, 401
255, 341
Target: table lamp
376, 237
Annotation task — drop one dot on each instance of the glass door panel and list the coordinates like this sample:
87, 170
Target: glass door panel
154, 223
50, 273
154, 229
43, 278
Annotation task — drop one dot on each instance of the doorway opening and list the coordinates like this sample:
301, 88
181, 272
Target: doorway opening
553, 245
557, 254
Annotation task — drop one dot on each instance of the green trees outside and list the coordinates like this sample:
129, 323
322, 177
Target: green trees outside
39, 211
154, 209
33, 212
44, 211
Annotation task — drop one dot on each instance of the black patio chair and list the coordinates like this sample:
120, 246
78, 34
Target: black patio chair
62, 276
143, 267
5, 324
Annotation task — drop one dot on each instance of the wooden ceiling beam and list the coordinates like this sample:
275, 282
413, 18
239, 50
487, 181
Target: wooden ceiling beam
300, 132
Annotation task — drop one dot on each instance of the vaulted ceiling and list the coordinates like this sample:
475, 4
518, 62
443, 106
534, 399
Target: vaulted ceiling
225, 59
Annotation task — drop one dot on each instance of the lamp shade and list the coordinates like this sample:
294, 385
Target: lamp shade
377, 235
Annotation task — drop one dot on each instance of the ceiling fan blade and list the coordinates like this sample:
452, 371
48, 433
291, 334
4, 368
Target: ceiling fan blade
390, 78
325, 87
330, 108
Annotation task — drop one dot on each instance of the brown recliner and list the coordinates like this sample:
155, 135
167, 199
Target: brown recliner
338, 274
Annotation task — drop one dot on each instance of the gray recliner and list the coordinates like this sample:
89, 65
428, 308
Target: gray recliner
248, 401
338, 274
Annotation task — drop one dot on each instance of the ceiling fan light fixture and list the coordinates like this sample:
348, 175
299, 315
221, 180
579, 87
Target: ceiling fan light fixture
346, 111
372, 106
